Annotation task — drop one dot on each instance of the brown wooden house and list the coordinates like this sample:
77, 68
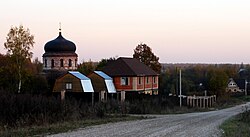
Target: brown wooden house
103, 84
73, 81
129, 74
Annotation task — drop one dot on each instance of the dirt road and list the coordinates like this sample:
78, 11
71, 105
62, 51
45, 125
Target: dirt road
204, 124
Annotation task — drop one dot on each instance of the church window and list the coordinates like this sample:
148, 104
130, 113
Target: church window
70, 63
45, 63
61, 62
52, 63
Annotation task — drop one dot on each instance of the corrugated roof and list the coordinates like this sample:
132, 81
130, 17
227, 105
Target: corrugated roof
79, 75
103, 75
128, 67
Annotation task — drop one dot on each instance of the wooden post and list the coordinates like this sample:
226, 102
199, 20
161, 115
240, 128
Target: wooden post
200, 103
102, 95
93, 98
210, 101
122, 96
106, 98
63, 95
204, 102
193, 101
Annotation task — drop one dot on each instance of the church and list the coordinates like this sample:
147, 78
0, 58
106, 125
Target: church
60, 54
125, 74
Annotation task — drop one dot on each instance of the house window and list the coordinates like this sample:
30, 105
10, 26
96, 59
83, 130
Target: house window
147, 80
61, 62
45, 63
140, 79
68, 85
154, 79
70, 63
52, 63
124, 81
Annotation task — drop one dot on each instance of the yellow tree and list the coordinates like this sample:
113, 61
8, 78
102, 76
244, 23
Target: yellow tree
18, 43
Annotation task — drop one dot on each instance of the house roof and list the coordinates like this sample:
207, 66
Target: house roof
85, 81
241, 83
103, 75
128, 67
78, 75
108, 81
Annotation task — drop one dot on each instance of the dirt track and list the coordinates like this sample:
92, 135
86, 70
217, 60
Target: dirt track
203, 124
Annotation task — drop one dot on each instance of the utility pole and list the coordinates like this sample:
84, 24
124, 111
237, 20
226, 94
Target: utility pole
246, 87
180, 90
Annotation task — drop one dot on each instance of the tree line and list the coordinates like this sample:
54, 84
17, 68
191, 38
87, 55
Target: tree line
19, 73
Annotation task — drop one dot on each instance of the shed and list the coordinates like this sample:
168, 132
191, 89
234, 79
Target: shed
73, 81
103, 84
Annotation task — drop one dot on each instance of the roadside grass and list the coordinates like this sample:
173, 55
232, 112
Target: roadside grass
234, 127
239, 125
61, 127
76, 117
232, 101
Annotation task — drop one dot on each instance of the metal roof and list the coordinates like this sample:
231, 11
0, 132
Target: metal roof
87, 86
108, 81
85, 81
103, 75
110, 86
79, 75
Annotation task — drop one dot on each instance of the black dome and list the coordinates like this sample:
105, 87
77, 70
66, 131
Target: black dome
60, 44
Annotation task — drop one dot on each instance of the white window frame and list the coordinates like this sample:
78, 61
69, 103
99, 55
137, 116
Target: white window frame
154, 80
68, 86
124, 81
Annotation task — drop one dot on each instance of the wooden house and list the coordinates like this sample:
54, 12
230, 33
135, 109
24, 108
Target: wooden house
73, 81
103, 84
130, 75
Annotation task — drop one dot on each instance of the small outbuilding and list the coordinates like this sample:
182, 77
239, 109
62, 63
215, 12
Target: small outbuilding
103, 84
73, 81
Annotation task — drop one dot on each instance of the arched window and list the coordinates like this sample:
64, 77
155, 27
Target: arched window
70, 63
61, 62
75, 62
45, 63
52, 63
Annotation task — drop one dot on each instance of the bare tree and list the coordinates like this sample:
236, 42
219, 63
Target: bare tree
18, 43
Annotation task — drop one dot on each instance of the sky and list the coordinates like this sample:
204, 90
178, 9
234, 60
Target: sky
178, 31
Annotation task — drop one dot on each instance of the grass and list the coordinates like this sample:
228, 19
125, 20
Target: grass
232, 101
239, 125
234, 127
65, 126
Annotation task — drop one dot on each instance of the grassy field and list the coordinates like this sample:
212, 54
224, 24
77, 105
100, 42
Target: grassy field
147, 107
238, 126
235, 127
65, 126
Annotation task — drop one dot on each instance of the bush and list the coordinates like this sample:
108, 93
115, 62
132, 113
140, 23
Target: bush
17, 110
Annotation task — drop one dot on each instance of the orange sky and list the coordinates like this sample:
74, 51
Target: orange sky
178, 31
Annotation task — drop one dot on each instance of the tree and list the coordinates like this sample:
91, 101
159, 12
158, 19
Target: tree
217, 81
104, 62
86, 67
144, 53
18, 43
